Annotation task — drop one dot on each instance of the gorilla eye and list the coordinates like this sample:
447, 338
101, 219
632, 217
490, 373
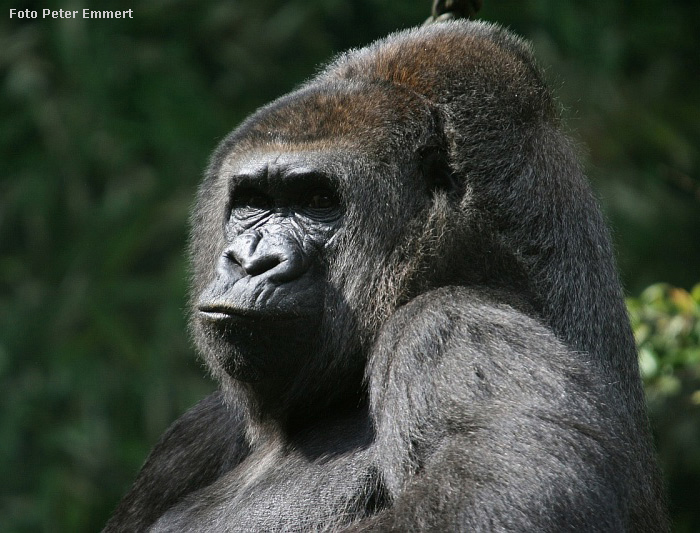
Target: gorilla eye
251, 198
321, 200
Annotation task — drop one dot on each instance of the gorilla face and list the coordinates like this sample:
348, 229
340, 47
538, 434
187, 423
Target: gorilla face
281, 215
303, 209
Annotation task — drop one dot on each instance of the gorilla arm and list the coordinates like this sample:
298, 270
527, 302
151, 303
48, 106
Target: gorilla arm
485, 422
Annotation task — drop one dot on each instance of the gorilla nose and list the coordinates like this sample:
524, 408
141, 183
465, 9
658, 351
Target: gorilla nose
272, 256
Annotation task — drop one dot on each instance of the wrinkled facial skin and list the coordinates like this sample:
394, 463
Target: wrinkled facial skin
280, 217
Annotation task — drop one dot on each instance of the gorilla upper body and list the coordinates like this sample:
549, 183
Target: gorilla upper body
406, 291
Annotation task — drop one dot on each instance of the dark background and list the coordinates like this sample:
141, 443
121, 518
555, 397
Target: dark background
106, 125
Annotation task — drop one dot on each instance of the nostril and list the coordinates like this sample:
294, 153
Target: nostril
228, 266
254, 266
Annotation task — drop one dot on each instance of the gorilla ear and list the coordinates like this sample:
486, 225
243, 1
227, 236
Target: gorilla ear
437, 173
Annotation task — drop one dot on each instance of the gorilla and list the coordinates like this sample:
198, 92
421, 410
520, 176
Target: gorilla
407, 293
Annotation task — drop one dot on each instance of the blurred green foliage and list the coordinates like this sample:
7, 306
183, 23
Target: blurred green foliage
666, 323
107, 124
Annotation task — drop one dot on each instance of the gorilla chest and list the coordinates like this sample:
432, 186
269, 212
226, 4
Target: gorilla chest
312, 487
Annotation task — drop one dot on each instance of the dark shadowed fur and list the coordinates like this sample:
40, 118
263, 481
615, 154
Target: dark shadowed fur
407, 292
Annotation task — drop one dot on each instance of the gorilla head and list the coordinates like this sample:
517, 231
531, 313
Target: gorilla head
302, 247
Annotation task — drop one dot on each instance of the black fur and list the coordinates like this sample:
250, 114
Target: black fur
442, 346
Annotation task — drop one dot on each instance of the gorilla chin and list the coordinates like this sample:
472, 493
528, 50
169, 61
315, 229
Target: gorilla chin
252, 346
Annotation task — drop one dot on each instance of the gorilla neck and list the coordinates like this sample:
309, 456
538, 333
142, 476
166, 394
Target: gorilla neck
281, 402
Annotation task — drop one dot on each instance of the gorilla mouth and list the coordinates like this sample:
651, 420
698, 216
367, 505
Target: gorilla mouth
223, 313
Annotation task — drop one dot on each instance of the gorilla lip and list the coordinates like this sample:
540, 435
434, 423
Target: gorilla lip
220, 313
215, 315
